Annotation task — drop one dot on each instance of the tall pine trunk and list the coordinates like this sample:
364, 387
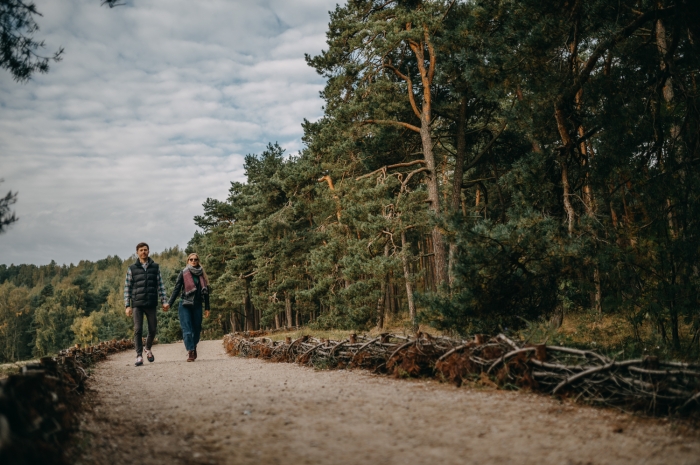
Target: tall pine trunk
667, 92
234, 322
408, 279
457, 180
381, 302
248, 306
288, 308
566, 140
440, 256
425, 116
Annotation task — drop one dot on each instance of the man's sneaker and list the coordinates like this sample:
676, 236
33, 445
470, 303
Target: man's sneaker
149, 356
195, 353
139, 361
190, 356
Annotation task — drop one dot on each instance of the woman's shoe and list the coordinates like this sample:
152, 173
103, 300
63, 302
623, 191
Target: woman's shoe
149, 356
190, 356
195, 353
139, 361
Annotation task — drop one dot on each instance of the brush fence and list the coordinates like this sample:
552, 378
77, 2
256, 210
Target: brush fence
648, 384
39, 406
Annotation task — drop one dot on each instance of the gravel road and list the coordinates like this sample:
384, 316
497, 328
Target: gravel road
230, 410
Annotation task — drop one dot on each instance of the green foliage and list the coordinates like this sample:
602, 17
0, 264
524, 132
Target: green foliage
502, 267
20, 53
15, 317
169, 329
54, 327
103, 325
7, 217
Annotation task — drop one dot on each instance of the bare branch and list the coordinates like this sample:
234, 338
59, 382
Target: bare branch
410, 175
388, 167
395, 123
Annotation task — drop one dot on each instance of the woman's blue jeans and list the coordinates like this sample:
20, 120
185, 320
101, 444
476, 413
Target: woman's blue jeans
191, 324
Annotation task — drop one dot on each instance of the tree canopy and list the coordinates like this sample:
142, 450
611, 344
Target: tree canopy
479, 165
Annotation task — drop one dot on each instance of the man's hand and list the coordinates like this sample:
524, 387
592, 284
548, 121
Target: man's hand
166, 307
206, 313
128, 311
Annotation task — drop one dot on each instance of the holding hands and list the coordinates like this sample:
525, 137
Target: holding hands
166, 307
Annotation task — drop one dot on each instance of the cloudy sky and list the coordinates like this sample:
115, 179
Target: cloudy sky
150, 112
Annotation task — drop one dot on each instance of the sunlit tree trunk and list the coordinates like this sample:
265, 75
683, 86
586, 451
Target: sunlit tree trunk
408, 278
248, 306
288, 308
424, 114
381, 301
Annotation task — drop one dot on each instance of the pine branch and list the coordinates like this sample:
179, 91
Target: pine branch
395, 123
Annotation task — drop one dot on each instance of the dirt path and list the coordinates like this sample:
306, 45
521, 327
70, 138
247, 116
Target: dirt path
230, 410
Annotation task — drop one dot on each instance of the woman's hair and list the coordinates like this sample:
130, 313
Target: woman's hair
193, 254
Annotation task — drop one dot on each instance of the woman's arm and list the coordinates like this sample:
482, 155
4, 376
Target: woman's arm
178, 288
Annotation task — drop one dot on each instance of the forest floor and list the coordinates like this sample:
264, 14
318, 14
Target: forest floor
232, 410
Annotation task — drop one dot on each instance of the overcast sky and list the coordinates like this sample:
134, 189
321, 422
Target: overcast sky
150, 112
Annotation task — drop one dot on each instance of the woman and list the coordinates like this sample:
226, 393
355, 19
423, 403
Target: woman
194, 285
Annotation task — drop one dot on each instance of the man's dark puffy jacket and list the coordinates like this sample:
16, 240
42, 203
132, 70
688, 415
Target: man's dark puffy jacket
144, 284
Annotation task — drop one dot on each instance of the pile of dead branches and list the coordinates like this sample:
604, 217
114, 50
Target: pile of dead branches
647, 384
39, 406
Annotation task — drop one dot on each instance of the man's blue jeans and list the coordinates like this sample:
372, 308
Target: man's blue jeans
191, 324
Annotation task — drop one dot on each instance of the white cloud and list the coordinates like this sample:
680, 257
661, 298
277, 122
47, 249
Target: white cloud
149, 113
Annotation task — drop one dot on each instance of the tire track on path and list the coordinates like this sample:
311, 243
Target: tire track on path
230, 410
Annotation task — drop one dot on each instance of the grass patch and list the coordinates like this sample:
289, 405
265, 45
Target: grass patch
611, 334
335, 335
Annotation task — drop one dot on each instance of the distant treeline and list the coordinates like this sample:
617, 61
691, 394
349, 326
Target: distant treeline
480, 165
44, 309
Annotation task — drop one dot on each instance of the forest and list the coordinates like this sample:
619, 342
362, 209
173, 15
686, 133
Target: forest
47, 308
480, 166
492, 166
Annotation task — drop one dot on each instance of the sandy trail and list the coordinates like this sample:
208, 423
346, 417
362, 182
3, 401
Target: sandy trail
230, 410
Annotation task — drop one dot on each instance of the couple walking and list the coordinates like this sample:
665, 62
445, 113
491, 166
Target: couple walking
143, 289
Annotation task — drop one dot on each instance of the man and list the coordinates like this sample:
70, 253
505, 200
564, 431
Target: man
142, 290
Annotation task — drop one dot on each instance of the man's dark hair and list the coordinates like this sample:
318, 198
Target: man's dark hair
142, 244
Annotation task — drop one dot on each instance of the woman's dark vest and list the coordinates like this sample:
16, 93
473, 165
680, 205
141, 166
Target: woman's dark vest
144, 284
